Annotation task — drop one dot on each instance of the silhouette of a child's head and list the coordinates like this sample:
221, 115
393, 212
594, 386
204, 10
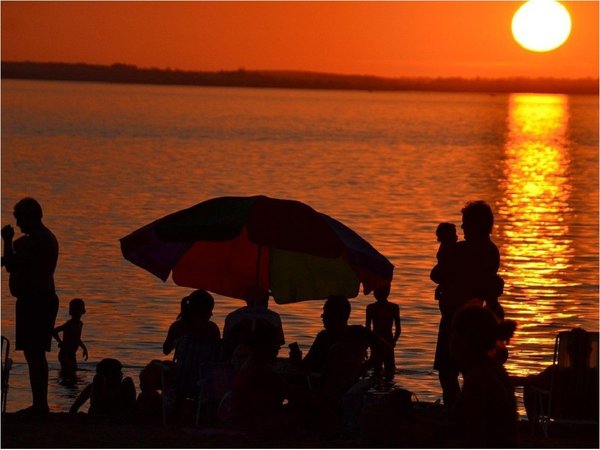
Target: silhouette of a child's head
150, 377
382, 293
111, 369
199, 304
76, 307
477, 219
446, 233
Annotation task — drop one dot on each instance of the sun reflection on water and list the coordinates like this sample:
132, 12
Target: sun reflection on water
537, 249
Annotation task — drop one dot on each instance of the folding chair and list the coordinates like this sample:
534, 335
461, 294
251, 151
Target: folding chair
6, 366
192, 355
216, 383
573, 394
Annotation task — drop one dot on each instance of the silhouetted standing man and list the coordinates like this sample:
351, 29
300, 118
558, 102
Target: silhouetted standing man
31, 261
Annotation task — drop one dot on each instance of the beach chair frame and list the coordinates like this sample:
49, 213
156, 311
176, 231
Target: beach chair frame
216, 384
6, 366
543, 413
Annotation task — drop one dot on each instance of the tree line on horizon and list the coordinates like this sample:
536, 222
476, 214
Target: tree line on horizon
126, 73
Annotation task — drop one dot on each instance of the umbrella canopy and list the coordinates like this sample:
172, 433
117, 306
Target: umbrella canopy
232, 245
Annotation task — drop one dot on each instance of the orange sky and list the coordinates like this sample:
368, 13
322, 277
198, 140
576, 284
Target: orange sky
394, 39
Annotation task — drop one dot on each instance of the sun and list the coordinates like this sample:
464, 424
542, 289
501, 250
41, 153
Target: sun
541, 25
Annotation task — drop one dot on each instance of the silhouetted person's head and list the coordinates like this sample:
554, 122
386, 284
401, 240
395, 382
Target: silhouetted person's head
257, 296
382, 293
477, 219
150, 377
198, 305
76, 307
336, 312
446, 233
579, 348
111, 369
475, 334
28, 214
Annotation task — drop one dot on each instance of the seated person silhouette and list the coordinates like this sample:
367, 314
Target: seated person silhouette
486, 408
148, 405
338, 353
574, 386
196, 341
239, 324
259, 393
109, 393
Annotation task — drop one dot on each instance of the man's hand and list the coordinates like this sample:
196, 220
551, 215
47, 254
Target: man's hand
8, 232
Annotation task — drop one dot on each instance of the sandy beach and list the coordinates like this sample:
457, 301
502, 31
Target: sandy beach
423, 428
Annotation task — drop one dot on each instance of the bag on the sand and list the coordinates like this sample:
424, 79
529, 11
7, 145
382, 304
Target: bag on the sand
401, 399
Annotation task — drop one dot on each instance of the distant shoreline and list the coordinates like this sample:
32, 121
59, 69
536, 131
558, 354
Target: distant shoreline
129, 74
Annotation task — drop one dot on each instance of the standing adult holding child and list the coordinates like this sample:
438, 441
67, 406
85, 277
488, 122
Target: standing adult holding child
469, 276
31, 261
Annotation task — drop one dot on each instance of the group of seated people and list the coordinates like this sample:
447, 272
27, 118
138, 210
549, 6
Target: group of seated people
274, 396
267, 392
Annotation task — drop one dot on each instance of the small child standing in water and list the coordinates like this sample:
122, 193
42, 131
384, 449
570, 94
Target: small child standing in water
447, 237
71, 339
384, 316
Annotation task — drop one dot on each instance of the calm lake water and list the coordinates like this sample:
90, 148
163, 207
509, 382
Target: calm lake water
105, 159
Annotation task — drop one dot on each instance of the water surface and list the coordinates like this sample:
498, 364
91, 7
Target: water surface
106, 159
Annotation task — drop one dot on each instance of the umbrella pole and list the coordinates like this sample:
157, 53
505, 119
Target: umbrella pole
258, 255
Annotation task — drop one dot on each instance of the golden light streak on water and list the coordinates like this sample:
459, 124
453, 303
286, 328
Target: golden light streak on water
538, 249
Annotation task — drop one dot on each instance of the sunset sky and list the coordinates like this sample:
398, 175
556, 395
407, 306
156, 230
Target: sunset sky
392, 39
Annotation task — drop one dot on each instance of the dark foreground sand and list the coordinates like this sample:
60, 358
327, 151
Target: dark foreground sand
424, 428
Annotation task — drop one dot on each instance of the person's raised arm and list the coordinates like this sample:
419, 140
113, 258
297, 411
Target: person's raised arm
8, 233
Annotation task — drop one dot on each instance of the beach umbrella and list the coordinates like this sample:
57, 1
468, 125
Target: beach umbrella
234, 245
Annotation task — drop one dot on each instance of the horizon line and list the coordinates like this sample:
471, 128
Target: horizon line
302, 71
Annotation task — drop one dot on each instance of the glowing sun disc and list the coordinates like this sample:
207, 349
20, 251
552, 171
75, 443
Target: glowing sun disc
541, 25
